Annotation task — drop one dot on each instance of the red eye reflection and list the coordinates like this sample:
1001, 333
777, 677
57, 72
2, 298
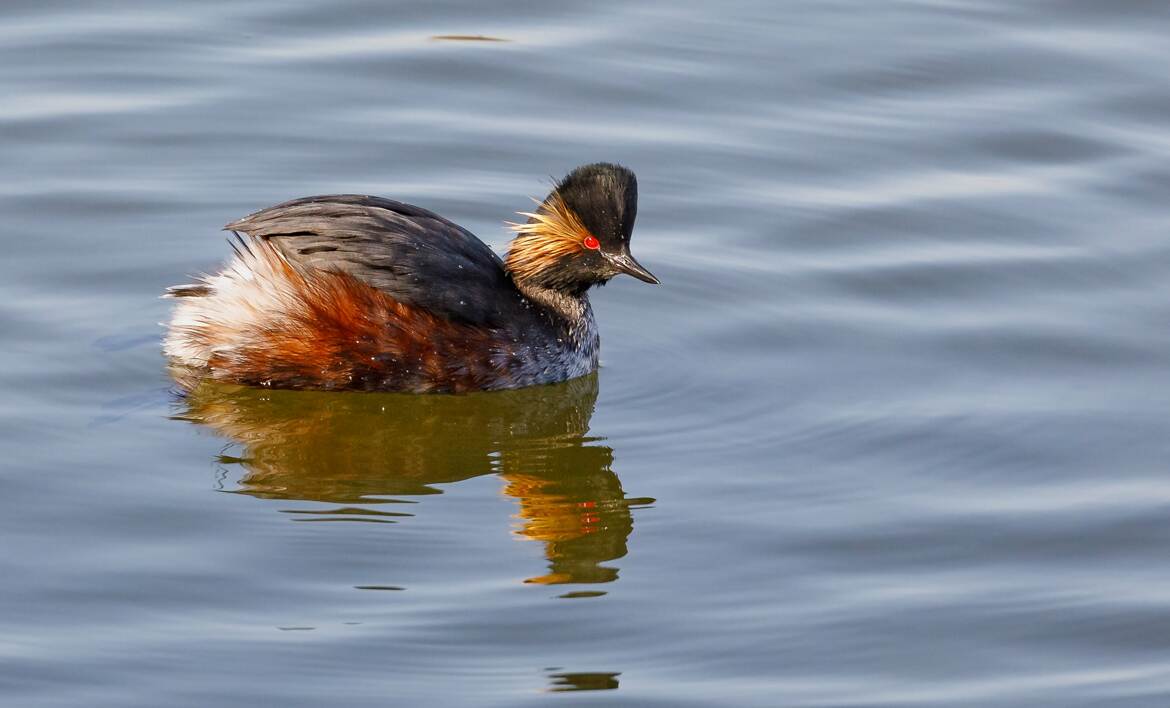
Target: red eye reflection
592, 243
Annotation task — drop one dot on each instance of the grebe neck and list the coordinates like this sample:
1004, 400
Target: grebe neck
573, 307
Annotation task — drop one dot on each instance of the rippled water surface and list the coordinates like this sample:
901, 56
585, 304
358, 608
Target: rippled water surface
892, 432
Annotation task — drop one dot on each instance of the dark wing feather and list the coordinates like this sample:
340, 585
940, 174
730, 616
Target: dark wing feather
414, 255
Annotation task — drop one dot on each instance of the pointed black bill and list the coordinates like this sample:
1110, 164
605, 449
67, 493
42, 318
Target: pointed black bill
626, 264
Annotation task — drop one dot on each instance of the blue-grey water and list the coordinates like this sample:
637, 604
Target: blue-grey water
894, 430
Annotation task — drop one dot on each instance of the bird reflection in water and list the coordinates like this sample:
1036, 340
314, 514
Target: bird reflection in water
365, 449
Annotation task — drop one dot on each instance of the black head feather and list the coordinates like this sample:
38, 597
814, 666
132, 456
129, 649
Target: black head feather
605, 197
597, 201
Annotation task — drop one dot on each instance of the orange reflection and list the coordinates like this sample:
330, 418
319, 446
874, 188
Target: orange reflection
358, 450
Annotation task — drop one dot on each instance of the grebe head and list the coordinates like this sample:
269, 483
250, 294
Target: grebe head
580, 234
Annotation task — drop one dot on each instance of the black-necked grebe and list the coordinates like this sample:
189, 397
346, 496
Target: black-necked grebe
364, 293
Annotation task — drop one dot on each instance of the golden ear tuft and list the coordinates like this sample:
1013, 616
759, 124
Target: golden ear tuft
553, 232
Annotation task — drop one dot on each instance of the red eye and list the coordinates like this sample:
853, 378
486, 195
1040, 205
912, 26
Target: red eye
592, 243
